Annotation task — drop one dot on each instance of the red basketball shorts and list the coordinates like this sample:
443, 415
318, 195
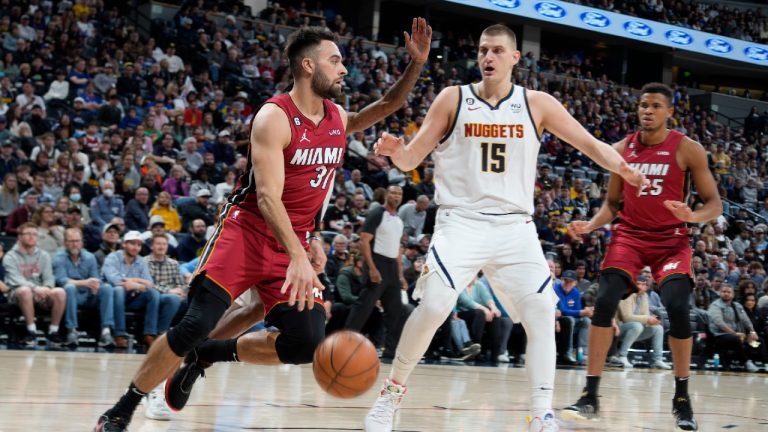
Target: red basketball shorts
241, 254
666, 252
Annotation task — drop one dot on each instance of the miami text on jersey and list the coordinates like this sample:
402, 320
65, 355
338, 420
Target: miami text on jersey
318, 156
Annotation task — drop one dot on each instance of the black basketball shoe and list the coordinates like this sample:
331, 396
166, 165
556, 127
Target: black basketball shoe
112, 422
586, 408
681, 409
179, 387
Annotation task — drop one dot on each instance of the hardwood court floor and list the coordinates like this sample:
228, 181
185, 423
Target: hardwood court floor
62, 391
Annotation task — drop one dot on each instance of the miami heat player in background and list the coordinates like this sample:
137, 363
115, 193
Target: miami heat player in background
652, 232
264, 232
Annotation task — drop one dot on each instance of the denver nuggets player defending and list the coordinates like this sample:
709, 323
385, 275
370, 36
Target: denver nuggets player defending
487, 140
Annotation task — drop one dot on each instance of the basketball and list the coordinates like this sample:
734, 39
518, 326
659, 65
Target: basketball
346, 364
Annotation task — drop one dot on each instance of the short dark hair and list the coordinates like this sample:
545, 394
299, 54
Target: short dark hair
499, 30
658, 88
302, 41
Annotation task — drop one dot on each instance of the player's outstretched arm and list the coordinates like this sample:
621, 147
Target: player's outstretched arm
270, 133
417, 44
550, 114
436, 124
695, 160
608, 210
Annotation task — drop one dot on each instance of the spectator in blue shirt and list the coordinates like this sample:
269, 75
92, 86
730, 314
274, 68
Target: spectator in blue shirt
571, 309
129, 274
106, 206
76, 270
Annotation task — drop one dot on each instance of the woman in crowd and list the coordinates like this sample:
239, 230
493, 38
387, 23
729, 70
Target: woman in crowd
163, 206
50, 237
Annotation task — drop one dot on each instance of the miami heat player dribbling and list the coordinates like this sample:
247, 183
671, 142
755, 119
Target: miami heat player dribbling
652, 232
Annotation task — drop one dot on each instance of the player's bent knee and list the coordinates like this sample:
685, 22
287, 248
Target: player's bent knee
675, 293
438, 299
613, 286
205, 310
296, 345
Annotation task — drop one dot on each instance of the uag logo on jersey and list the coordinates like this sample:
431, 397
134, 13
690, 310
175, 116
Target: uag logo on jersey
334, 132
718, 46
506, 4
678, 37
516, 107
637, 28
756, 53
470, 101
297, 121
595, 19
670, 266
662, 153
550, 10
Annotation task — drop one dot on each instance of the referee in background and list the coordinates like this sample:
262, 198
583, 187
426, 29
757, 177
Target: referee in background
380, 240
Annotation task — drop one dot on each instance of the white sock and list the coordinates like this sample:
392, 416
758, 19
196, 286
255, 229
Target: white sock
32, 328
53, 329
105, 331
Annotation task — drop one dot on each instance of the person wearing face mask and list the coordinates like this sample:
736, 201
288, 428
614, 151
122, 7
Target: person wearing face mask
76, 199
106, 206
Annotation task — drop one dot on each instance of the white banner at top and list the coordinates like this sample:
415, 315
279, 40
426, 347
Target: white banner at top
629, 27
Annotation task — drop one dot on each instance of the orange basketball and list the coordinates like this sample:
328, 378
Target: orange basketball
346, 364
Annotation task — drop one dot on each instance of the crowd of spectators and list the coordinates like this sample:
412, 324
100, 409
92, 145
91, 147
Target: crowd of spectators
115, 150
723, 18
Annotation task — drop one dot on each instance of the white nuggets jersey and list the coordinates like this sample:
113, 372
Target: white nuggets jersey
487, 161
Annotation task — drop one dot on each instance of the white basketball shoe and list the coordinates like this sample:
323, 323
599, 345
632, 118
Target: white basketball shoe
545, 422
381, 417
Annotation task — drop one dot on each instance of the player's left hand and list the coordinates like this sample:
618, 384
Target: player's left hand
633, 176
302, 280
680, 210
419, 41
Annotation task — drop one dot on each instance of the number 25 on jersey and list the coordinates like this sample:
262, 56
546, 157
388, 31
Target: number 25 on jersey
493, 157
654, 189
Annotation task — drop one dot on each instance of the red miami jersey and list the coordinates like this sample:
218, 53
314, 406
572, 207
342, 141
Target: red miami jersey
668, 182
310, 162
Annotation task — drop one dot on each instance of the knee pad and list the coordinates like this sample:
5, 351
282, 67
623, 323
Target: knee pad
437, 298
205, 310
613, 287
675, 294
296, 343
537, 312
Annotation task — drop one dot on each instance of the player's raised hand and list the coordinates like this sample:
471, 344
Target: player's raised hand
419, 41
388, 145
679, 209
578, 228
302, 280
633, 176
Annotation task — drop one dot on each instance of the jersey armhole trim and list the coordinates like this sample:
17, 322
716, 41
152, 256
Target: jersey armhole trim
530, 115
455, 119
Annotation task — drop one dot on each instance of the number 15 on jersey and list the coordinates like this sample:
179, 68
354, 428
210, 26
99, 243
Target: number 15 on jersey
493, 157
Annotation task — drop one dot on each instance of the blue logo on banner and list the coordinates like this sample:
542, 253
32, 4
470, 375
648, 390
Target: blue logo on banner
637, 28
756, 53
549, 10
595, 19
506, 4
678, 37
718, 46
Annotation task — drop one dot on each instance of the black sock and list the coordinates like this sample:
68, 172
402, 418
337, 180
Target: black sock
593, 382
681, 387
129, 401
212, 351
